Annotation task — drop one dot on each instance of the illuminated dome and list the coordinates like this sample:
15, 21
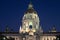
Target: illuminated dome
30, 20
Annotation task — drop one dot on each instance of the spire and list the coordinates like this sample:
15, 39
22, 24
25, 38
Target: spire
53, 29
30, 6
7, 28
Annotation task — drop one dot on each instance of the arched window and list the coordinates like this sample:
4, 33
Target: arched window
54, 39
35, 16
30, 26
31, 16
47, 39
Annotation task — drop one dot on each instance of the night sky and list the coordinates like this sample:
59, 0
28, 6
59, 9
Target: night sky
12, 11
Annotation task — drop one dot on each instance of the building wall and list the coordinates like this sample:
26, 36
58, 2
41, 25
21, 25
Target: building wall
48, 38
15, 37
31, 37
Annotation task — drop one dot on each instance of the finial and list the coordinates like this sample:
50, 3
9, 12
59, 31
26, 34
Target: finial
30, 5
7, 29
53, 29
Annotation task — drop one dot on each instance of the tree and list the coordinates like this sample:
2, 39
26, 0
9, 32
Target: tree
2, 37
58, 37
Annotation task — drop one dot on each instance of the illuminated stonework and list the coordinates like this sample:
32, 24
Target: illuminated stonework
30, 29
30, 21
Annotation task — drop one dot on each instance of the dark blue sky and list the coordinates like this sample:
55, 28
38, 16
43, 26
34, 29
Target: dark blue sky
12, 11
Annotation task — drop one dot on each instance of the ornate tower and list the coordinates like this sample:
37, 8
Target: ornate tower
30, 21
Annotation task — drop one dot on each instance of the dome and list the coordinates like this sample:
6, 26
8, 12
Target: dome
30, 20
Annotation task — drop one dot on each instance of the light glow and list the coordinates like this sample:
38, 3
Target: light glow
34, 30
31, 33
30, 23
27, 30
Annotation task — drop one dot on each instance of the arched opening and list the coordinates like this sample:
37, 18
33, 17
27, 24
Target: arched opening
30, 26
